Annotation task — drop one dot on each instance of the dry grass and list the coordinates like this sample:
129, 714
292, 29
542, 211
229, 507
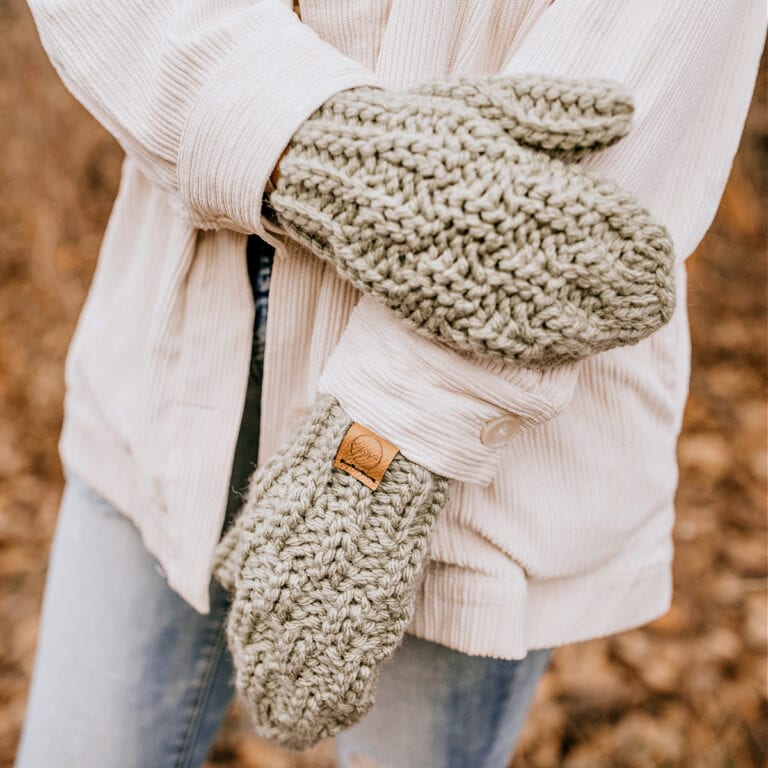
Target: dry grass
687, 690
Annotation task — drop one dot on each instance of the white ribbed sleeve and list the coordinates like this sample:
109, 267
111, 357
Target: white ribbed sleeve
685, 64
431, 402
203, 95
690, 66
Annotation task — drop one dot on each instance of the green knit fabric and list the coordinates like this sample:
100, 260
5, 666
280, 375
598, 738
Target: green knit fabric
452, 205
324, 574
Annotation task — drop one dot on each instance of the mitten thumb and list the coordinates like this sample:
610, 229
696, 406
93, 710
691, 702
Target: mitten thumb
561, 116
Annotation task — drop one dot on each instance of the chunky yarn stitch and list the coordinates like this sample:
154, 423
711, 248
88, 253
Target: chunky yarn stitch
565, 117
324, 573
449, 204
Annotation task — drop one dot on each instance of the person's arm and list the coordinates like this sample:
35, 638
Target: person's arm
690, 67
203, 96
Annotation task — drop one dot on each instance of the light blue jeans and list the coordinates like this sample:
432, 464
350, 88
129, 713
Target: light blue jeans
128, 675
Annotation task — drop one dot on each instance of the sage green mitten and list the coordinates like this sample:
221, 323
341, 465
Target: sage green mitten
324, 572
449, 204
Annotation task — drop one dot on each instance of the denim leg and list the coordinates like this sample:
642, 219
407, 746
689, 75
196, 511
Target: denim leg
260, 256
438, 707
127, 674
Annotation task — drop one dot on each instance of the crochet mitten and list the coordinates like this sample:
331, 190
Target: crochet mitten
452, 204
324, 572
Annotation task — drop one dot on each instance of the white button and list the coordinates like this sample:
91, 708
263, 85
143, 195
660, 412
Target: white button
499, 432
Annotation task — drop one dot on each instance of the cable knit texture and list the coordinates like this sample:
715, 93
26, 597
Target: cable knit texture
324, 573
450, 205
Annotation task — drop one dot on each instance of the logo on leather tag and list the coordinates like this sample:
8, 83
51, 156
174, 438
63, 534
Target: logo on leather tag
364, 455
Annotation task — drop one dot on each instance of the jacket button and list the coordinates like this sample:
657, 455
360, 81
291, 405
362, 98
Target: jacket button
499, 432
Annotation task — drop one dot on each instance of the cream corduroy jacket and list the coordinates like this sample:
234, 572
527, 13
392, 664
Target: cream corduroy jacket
563, 533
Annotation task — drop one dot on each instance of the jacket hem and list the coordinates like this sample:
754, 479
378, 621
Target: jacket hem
480, 615
506, 617
106, 468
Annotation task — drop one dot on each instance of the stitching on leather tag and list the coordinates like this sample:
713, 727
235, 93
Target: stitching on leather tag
364, 455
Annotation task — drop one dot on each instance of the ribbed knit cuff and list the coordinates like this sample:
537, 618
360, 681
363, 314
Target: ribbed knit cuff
237, 131
432, 403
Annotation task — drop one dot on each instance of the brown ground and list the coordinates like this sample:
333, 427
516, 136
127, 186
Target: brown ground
687, 690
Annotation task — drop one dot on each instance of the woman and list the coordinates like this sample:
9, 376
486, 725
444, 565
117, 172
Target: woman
558, 529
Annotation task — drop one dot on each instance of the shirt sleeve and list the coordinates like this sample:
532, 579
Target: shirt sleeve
690, 67
203, 96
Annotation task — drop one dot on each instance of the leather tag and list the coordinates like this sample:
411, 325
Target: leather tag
364, 455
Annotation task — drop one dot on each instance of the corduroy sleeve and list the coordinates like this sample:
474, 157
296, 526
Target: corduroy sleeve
204, 96
438, 407
690, 68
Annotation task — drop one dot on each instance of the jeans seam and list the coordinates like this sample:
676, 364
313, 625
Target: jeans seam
200, 700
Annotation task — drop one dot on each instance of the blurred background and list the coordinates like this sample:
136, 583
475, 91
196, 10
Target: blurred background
687, 690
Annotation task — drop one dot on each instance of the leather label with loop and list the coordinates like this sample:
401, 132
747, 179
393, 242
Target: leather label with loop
364, 455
